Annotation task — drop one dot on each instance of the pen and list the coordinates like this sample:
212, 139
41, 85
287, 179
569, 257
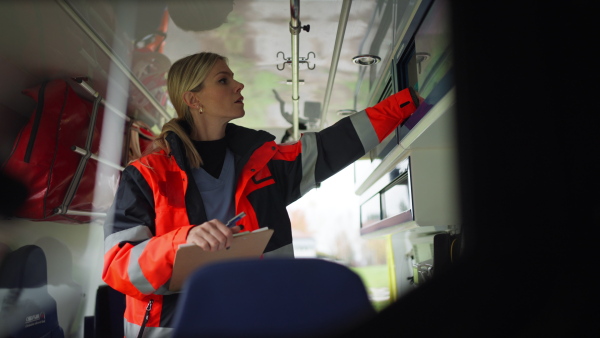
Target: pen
234, 220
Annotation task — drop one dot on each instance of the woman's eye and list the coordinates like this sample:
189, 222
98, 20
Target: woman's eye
223, 80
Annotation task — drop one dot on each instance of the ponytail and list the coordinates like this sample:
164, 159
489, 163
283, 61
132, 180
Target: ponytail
182, 129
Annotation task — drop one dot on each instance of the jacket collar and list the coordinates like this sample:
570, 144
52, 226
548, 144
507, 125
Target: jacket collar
244, 141
241, 141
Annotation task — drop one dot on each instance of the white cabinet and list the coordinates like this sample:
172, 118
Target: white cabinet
430, 151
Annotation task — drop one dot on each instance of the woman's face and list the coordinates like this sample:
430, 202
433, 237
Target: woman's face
221, 95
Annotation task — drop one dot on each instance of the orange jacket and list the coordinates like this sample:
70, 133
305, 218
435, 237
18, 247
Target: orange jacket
158, 202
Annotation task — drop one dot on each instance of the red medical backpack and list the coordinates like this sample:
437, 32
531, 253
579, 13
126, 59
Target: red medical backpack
63, 185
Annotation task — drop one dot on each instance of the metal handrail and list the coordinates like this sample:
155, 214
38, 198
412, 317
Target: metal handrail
295, 32
84, 152
83, 84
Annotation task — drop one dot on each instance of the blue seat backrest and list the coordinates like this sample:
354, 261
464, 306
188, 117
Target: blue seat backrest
272, 298
27, 309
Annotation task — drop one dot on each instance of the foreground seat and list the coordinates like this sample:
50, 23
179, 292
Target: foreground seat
272, 298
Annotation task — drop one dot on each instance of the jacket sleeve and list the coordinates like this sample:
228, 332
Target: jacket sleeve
136, 261
330, 150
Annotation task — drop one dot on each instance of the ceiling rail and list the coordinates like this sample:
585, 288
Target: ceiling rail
108, 51
339, 39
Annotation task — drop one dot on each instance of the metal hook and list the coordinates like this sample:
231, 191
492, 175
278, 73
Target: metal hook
300, 60
305, 60
286, 60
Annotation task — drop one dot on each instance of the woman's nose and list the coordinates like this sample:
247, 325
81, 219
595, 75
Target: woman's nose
240, 86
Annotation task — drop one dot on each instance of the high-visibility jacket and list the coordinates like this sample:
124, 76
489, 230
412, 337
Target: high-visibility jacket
158, 202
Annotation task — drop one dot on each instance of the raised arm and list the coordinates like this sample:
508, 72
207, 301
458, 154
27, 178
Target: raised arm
317, 156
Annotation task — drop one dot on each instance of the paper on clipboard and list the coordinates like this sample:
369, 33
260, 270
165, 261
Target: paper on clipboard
189, 257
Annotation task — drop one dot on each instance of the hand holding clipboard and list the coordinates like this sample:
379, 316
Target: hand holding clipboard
189, 257
214, 235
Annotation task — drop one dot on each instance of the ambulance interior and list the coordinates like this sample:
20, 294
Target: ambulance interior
305, 65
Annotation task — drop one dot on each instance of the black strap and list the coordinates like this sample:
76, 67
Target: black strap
36, 123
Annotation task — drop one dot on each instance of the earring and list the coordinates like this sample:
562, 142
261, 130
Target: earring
201, 110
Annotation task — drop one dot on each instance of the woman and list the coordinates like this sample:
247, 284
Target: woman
206, 170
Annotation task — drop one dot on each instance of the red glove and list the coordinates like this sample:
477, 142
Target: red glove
386, 115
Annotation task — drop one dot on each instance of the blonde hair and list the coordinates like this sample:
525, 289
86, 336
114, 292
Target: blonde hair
186, 74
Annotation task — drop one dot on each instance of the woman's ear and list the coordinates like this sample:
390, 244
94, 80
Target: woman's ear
191, 99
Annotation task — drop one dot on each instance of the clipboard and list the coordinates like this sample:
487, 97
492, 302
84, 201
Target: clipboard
190, 257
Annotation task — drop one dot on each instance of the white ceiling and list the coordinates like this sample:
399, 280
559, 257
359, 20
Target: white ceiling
41, 41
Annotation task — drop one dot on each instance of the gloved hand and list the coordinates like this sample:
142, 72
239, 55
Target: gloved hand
393, 110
